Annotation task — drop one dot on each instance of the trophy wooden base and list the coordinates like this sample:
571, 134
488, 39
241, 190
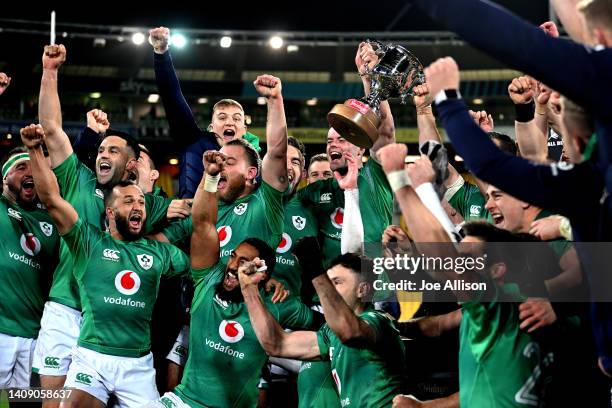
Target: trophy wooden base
356, 122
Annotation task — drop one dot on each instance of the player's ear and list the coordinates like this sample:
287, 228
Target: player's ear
363, 289
498, 270
154, 175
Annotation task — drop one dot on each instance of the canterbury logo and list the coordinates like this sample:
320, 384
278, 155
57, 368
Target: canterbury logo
181, 350
325, 198
111, 254
52, 362
83, 378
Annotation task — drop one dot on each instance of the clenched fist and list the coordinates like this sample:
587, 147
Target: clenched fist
442, 74
522, 90
159, 38
421, 171
214, 162
268, 86
366, 56
392, 157
5, 81
53, 56
97, 121
32, 136
251, 272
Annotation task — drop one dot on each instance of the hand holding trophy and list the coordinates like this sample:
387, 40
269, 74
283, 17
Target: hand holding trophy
395, 76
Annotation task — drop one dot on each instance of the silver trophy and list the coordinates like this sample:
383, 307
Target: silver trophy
396, 75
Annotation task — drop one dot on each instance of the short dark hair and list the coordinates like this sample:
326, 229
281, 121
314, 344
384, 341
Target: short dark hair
109, 195
129, 140
265, 252
251, 153
505, 143
11, 153
321, 157
295, 142
358, 264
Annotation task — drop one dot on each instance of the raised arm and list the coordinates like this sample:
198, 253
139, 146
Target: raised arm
204, 238
531, 141
49, 108
181, 121
542, 185
527, 48
386, 130
302, 345
63, 214
274, 166
343, 321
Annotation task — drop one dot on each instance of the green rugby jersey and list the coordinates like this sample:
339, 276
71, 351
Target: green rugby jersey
469, 203
79, 186
299, 222
500, 365
29, 246
316, 388
118, 283
369, 376
225, 358
257, 215
327, 201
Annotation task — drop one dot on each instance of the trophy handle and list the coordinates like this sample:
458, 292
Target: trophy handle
379, 48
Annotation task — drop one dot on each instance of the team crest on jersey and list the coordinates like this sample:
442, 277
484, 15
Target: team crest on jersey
240, 208
231, 331
145, 261
127, 282
30, 244
337, 217
14, 213
46, 228
298, 222
225, 234
99, 193
285, 244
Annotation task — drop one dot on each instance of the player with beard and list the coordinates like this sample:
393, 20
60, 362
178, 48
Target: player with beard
85, 190
225, 358
118, 275
375, 197
246, 209
29, 246
227, 122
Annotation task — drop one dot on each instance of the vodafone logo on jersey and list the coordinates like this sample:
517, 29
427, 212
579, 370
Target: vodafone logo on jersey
285, 244
30, 244
225, 234
337, 217
231, 331
127, 282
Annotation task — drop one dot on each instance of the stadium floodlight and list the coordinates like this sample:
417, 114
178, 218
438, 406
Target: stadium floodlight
202, 101
178, 40
153, 98
292, 48
225, 41
276, 42
138, 38
312, 102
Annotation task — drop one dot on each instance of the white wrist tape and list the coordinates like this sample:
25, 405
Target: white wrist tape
430, 199
398, 179
210, 183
